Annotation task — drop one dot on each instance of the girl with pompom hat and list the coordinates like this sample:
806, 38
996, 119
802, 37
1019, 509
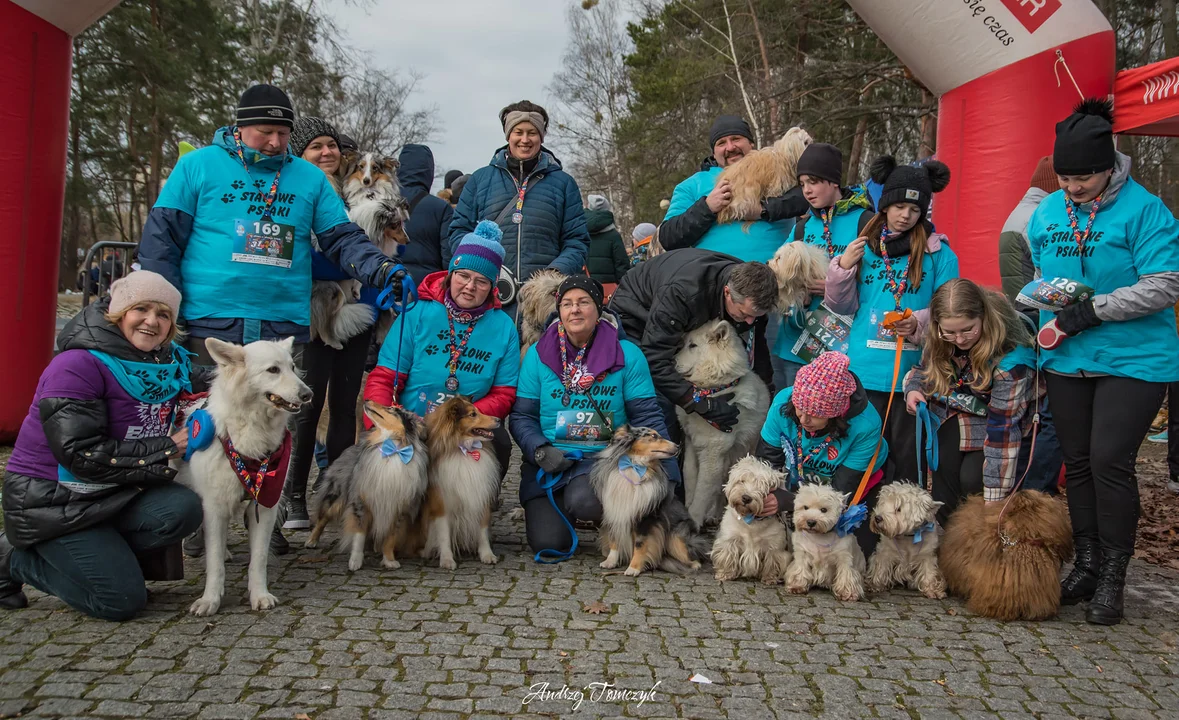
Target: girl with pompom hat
891, 271
456, 340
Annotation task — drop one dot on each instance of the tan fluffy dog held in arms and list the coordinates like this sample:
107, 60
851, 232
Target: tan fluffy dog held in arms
765, 173
643, 522
798, 267
821, 557
1012, 574
748, 546
904, 518
464, 484
376, 486
536, 301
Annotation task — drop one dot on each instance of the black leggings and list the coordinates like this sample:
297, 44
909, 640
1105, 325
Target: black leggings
544, 527
901, 436
1101, 422
959, 474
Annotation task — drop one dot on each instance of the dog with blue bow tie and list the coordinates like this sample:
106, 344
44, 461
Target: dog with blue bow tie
905, 519
375, 487
643, 522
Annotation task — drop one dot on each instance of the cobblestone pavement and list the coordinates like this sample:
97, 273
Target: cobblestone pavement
419, 642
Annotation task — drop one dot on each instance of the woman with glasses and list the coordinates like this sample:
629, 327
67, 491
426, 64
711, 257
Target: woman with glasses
455, 341
978, 377
578, 383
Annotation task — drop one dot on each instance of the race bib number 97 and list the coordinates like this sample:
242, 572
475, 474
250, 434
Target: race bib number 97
584, 425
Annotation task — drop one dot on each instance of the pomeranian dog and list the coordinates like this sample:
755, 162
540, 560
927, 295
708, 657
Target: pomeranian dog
821, 557
904, 518
643, 522
798, 266
376, 486
537, 300
747, 546
765, 173
1013, 572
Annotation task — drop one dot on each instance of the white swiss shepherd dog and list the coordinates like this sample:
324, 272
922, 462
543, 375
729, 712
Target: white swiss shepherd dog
712, 358
256, 390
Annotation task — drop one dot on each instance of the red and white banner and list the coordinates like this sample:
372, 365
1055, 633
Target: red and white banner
1146, 100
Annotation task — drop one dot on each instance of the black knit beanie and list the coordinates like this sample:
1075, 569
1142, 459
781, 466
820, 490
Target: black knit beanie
908, 184
582, 282
1084, 140
307, 129
823, 161
265, 105
450, 177
727, 125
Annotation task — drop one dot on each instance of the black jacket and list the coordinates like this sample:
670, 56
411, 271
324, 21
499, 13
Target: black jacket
429, 221
607, 261
40, 509
663, 299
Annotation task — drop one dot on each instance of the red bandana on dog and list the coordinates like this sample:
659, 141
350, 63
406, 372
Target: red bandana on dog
262, 479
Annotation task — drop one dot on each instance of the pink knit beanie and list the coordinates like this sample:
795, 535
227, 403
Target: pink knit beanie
823, 388
143, 286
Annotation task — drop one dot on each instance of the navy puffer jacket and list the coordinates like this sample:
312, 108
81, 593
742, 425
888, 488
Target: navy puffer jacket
552, 233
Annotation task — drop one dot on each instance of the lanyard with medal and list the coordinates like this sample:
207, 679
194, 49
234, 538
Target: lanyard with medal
802, 459
521, 188
456, 350
1071, 208
272, 193
572, 374
897, 289
827, 215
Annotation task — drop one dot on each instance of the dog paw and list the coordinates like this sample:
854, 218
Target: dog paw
725, 576
936, 592
355, 563
263, 601
204, 607
771, 580
488, 558
447, 564
608, 564
390, 564
311, 543
797, 589
633, 572
846, 595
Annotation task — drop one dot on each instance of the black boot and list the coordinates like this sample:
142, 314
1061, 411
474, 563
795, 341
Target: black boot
1082, 581
1106, 606
11, 597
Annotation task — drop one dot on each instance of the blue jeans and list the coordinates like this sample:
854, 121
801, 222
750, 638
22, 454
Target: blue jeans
95, 570
1048, 460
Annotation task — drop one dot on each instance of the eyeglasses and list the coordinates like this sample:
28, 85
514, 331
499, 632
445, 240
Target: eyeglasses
580, 305
960, 335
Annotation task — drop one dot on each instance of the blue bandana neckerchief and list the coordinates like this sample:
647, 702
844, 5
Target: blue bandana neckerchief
851, 519
389, 449
150, 382
625, 463
928, 527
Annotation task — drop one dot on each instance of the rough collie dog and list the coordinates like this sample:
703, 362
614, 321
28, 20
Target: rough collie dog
335, 315
798, 266
463, 485
714, 361
536, 302
1012, 574
904, 518
250, 403
747, 546
821, 557
376, 486
643, 522
768, 172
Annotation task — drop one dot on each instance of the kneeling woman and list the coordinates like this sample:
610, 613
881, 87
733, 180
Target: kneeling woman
90, 506
456, 340
577, 383
978, 376
823, 430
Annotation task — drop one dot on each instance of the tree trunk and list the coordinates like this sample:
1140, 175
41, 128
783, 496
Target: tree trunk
1170, 191
767, 88
857, 151
928, 125
68, 267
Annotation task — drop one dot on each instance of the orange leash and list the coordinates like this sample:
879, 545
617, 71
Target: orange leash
890, 321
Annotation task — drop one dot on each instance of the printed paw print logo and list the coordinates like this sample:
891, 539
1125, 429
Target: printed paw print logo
258, 184
227, 198
442, 335
555, 394
431, 350
238, 185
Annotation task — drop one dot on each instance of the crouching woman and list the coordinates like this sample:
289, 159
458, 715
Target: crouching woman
90, 506
577, 383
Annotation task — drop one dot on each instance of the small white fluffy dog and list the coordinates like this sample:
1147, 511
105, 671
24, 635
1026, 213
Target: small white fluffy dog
768, 172
757, 548
713, 357
798, 266
256, 390
821, 557
904, 518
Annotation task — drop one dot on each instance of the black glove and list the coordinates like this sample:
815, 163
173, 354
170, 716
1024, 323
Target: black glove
394, 269
551, 460
1077, 317
719, 413
784, 207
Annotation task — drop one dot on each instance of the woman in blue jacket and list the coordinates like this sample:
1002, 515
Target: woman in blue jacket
535, 203
577, 383
1114, 247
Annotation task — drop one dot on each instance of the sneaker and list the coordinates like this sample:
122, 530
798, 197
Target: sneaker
1160, 421
1159, 438
1173, 486
194, 545
278, 543
297, 518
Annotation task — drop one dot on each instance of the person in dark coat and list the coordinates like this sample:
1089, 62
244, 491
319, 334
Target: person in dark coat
536, 203
607, 261
429, 216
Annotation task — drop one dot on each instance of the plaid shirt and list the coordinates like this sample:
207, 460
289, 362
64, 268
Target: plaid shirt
1011, 406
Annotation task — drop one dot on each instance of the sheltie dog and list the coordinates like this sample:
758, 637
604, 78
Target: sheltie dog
642, 520
765, 173
747, 546
463, 486
376, 486
798, 266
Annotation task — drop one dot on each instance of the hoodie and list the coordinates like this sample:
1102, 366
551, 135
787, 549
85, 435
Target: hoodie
429, 218
607, 260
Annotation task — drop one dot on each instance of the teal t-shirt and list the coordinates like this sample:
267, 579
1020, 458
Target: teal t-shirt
818, 463
235, 265
871, 348
758, 243
1133, 235
491, 358
579, 426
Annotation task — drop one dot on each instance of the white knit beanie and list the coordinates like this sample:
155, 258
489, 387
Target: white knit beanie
143, 286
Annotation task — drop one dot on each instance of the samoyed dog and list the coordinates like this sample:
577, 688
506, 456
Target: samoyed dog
250, 402
714, 361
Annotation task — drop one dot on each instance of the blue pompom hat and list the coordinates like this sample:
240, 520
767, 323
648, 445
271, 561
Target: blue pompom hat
480, 251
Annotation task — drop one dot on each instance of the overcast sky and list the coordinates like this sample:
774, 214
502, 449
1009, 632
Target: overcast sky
477, 56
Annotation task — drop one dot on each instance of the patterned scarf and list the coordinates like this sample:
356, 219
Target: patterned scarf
150, 382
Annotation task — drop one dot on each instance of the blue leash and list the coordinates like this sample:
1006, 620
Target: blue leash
927, 426
408, 299
547, 481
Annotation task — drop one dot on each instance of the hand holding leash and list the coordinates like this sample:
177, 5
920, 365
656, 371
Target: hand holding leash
400, 291
552, 460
